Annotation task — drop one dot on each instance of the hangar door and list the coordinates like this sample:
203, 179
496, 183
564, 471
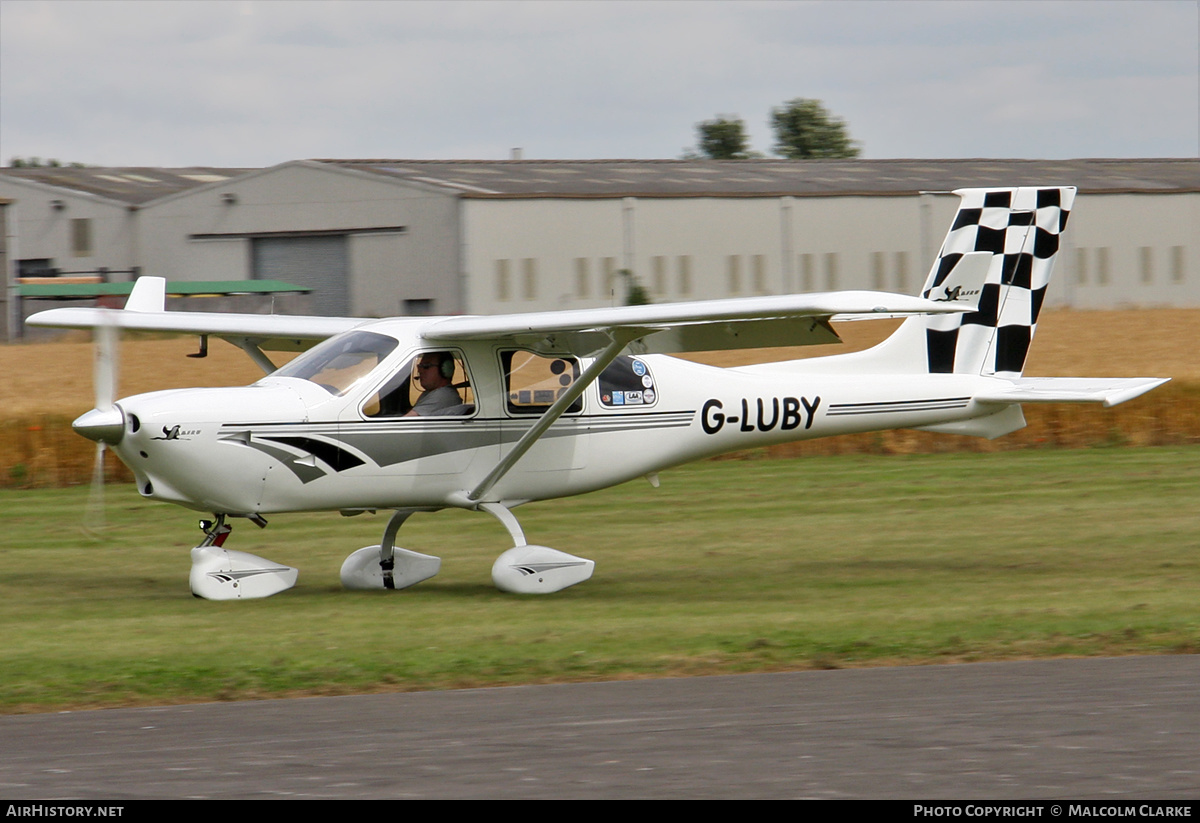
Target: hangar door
319, 263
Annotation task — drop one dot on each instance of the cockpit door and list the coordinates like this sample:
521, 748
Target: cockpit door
387, 423
532, 382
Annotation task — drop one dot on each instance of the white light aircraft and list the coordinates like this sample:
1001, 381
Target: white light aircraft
489, 412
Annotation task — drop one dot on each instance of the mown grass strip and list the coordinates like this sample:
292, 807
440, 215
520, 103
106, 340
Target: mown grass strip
731, 566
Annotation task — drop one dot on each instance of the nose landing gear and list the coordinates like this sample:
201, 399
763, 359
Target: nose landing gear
222, 574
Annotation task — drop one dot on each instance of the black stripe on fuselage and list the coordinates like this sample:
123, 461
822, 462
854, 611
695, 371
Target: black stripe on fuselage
898, 406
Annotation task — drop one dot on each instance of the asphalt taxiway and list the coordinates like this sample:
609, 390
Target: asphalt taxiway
1104, 729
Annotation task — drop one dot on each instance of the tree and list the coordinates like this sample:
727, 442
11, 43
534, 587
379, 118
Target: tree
635, 292
723, 138
804, 128
39, 163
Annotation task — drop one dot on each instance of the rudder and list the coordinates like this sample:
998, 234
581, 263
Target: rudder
1020, 228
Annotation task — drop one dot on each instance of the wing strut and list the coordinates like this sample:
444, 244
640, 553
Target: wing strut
621, 338
256, 354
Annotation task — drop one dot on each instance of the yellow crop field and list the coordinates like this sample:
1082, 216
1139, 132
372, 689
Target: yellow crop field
48, 384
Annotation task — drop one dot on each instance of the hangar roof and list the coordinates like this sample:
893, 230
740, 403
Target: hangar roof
775, 177
138, 185
132, 185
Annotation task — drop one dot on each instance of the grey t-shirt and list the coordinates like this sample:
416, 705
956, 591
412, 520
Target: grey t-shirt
436, 401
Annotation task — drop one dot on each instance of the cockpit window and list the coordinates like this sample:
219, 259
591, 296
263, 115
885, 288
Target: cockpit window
340, 362
533, 382
627, 382
402, 392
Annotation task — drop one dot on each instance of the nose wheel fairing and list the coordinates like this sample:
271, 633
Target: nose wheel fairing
222, 574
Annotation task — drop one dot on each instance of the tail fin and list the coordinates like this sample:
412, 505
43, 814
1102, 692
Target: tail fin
1020, 228
999, 252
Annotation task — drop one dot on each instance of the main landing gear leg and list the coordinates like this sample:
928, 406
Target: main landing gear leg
221, 574
387, 567
526, 569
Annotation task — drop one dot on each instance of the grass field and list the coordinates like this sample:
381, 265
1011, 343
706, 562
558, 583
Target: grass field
736, 565
731, 566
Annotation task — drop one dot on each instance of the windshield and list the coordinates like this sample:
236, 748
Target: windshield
340, 362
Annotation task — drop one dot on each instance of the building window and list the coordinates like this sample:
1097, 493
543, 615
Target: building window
659, 266
878, 271
503, 284
582, 278
735, 274
81, 236
684, 262
1102, 268
36, 267
1081, 267
760, 273
807, 273
902, 272
529, 281
831, 271
1146, 256
418, 307
1178, 274
609, 269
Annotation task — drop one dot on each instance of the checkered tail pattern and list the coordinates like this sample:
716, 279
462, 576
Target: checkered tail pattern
1021, 228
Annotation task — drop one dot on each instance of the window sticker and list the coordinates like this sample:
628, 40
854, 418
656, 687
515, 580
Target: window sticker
627, 382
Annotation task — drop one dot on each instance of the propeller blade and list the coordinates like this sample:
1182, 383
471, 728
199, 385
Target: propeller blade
94, 517
104, 384
104, 376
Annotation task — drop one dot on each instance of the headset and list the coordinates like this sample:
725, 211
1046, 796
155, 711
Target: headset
445, 365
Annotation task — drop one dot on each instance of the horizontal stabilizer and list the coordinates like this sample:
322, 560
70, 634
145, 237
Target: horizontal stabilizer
1107, 390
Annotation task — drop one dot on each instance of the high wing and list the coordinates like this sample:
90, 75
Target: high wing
276, 332
711, 325
751, 322
145, 310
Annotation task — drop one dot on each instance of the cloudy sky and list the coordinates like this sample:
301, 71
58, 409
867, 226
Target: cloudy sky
242, 83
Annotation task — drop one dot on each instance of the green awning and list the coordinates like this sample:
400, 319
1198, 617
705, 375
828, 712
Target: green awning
177, 288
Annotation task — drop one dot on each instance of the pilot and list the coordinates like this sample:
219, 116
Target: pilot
435, 373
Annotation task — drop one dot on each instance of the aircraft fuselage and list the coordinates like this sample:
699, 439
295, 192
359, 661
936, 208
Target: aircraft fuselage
291, 444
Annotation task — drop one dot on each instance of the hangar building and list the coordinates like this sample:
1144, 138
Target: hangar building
406, 237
